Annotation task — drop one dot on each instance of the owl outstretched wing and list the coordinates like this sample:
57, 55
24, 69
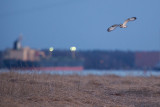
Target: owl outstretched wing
129, 19
112, 27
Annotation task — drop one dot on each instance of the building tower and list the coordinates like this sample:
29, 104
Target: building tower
17, 43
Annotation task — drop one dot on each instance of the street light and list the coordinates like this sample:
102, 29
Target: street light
51, 49
73, 50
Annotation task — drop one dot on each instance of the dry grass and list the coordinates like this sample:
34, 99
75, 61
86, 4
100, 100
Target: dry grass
34, 90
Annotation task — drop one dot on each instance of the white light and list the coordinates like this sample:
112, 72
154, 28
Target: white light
51, 49
73, 48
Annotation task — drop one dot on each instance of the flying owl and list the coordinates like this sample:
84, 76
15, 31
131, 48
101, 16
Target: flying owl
121, 25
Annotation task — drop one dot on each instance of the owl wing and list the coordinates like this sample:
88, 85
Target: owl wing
112, 27
129, 19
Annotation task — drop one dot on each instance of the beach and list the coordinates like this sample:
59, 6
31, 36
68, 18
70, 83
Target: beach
46, 90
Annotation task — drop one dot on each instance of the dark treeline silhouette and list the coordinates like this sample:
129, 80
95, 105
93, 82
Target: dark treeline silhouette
91, 59
97, 59
108, 60
1, 59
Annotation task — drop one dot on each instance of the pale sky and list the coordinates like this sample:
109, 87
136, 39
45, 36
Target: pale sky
80, 23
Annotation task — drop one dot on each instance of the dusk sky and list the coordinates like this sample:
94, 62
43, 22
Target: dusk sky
80, 23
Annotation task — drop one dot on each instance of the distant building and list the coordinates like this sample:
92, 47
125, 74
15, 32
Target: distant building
17, 43
147, 59
23, 54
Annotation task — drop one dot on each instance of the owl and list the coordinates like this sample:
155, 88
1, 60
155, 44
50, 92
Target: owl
124, 25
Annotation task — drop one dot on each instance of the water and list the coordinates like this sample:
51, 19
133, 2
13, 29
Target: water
95, 72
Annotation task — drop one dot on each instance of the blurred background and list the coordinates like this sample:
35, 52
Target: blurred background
72, 34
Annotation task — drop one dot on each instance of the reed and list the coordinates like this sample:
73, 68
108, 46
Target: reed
25, 90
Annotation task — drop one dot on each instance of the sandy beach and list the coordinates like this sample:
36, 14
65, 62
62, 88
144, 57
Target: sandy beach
45, 90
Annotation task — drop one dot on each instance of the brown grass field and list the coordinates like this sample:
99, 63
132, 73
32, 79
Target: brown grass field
44, 90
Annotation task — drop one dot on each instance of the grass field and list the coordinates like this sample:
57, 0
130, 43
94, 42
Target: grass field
45, 90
